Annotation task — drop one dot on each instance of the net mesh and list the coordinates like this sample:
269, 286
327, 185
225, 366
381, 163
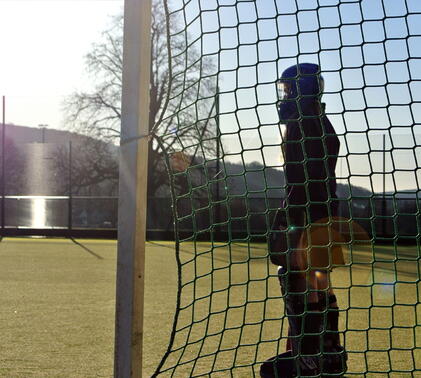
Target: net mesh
221, 139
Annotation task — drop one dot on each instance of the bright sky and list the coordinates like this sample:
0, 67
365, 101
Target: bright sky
43, 43
369, 51
370, 56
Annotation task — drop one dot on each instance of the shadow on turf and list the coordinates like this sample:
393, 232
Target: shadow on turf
207, 255
87, 249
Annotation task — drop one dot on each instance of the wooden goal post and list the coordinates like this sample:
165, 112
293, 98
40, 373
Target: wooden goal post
133, 189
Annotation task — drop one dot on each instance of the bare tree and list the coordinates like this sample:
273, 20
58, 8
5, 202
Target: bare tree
14, 165
91, 165
182, 91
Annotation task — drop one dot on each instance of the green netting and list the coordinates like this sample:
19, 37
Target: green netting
221, 137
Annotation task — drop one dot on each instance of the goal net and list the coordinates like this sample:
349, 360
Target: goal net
220, 135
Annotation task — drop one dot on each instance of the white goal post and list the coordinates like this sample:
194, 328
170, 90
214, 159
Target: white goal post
133, 189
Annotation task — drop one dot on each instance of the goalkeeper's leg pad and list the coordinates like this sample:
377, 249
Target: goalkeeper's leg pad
334, 356
281, 366
318, 350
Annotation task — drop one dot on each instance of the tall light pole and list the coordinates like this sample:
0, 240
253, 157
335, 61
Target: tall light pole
218, 165
3, 165
384, 204
43, 127
70, 202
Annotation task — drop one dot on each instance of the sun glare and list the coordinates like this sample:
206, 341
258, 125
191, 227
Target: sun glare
39, 215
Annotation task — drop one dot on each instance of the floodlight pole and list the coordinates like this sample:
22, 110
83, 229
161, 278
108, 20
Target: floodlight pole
384, 204
218, 166
3, 166
132, 189
70, 203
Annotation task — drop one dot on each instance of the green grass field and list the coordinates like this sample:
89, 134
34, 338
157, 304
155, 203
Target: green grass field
57, 313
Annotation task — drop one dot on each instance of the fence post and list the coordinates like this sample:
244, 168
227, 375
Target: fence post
3, 167
70, 204
132, 189
384, 203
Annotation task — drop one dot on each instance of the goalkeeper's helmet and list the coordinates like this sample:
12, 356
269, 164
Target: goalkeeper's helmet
299, 91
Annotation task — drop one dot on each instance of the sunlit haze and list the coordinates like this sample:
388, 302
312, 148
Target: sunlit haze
43, 44
367, 63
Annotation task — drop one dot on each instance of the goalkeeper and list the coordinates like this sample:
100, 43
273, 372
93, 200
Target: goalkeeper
310, 149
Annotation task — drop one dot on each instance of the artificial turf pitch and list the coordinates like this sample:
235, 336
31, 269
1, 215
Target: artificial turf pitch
57, 312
